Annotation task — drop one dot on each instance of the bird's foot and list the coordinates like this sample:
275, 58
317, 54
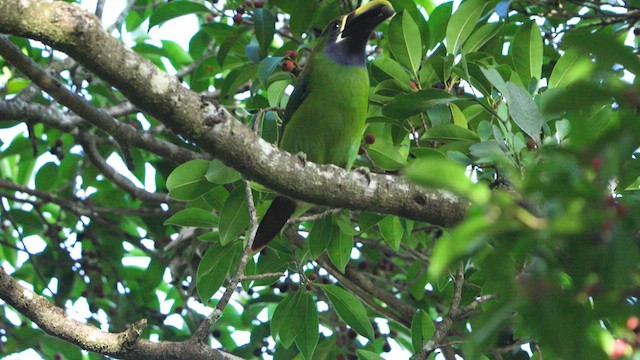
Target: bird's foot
364, 171
302, 157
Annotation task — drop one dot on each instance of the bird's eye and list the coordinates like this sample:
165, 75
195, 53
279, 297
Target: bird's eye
336, 25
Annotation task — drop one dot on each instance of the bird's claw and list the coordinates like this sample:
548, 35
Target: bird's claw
364, 171
302, 157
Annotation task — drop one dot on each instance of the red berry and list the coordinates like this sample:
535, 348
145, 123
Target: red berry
292, 54
313, 276
596, 163
369, 139
413, 85
361, 151
619, 349
258, 4
531, 145
237, 19
372, 36
632, 323
210, 18
240, 10
288, 65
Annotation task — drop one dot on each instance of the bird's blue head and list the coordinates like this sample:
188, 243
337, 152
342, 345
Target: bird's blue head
348, 35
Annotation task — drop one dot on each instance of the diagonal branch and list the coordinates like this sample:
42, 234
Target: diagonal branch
68, 28
125, 345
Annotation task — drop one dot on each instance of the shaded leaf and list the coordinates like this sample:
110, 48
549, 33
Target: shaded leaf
350, 309
234, 216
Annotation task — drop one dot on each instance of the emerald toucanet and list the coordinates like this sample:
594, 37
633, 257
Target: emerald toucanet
326, 113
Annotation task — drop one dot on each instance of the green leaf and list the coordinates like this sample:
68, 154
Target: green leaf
462, 23
47, 177
309, 333
422, 329
417, 278
350, 310
339, 250
449, 132
464, 239
171, 10
524, 111
391, 230
194, 217
458, 117
386, 156
187, 181
283, 319
302, 13
275, 94
407, 105
321, 234
296, 318
214, 267
526, 51
234, 216
405, 41
438, 21
343, 220
219, 173
445, 174
368, 355
480, 37
236, 78
176, 54
572, 66
266, 68
265, 27
393, 69
495, 79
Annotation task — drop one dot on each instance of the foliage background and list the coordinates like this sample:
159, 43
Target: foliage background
526, 110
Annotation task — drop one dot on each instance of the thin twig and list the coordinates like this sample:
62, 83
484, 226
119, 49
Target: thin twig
203, 330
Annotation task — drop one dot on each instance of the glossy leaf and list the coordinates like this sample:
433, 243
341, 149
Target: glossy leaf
438, 21
323, 232
171, 10
350, 309
188, 182
219, 173
214, 267
339, 250
422, 329
524, 111
572, 66
264, 25
462, 23
194, 217
308, 335
527, 52
445, 174
407, 105
405, 41
391, 230
234, 216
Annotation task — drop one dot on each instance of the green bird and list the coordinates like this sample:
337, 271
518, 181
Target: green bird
326, 113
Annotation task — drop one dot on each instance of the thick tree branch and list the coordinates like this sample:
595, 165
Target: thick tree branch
125, 345
68, 28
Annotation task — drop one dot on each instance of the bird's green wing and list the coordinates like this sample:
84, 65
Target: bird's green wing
298, 95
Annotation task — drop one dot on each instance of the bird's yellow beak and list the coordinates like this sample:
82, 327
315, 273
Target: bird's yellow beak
373, 12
